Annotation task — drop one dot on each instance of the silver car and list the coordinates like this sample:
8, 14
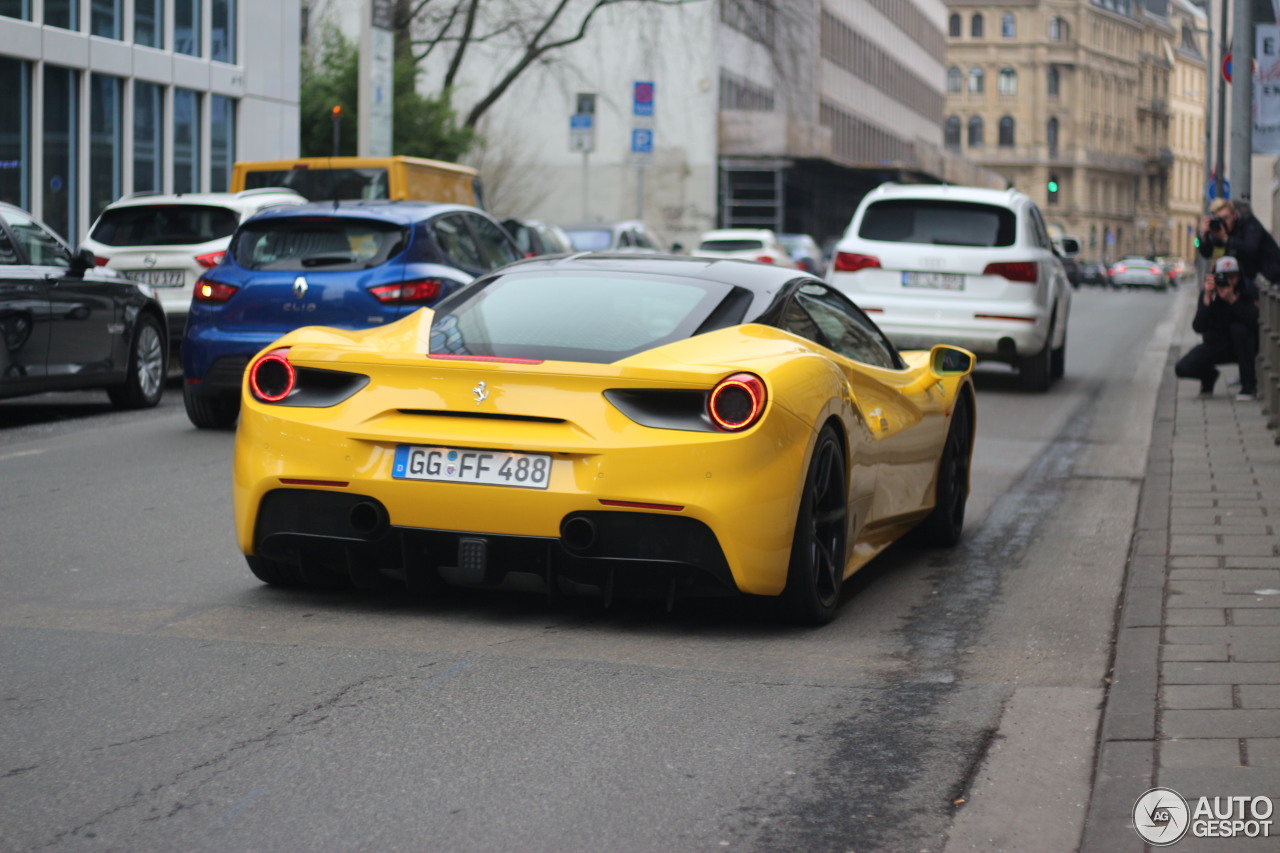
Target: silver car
1137, 271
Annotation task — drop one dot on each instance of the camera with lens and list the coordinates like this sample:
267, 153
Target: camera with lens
1220, 279
1216, 223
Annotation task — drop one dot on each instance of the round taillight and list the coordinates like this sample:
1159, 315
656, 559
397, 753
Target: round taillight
737, 402
272, 377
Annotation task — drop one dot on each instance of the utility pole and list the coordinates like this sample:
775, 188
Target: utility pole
1242, 99
1220, 161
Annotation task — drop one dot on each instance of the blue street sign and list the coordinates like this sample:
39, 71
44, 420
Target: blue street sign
580, 121
641, 141
642, 98
1209, 191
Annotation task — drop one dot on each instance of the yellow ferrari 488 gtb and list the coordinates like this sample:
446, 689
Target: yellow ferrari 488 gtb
608, 423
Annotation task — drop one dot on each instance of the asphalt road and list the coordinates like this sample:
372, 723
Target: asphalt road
156, 697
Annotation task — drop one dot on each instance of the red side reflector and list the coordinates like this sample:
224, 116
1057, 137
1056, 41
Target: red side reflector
765, 259
638, 505
211, 260
335, 483
871, 310
852, 262
100, 262
1027, 272
501, 359
1004, 317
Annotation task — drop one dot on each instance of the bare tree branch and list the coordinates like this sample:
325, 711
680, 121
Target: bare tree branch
467, 29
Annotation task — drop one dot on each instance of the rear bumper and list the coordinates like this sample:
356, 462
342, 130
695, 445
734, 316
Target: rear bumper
1005, 334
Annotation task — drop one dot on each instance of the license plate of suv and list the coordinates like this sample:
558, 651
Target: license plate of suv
158, 278
935, 280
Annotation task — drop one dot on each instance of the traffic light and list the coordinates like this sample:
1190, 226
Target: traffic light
1052, 186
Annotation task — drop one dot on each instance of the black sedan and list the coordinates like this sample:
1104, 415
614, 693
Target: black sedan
68, 326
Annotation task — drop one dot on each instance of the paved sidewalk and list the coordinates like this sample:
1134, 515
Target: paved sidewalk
1195, 700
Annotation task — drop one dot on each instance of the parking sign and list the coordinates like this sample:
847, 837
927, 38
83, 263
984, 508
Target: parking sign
642, 98
641, 141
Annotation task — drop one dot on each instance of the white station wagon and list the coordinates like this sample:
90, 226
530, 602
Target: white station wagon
966, 266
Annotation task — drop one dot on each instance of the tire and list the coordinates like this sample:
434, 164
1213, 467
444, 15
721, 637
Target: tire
819, 545
942, 527
210, 411
1036, 371
273, 572
148, 362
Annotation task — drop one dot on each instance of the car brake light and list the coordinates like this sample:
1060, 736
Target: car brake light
852, 262
765, 259
1027, 272
1155, 270
408, 292
210, 292
212, 259
100, 262
272, 377
737, 402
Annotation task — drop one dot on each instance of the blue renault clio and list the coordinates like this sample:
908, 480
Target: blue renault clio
354, 265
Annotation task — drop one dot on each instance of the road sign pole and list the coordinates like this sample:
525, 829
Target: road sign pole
1242, 101
586, 188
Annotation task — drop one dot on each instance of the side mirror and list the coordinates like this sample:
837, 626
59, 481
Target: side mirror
950, 361
81, 260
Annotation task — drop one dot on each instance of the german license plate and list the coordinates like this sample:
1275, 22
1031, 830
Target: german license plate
936, 280
486, 467
159, 278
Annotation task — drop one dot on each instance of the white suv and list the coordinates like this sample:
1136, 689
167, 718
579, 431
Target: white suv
966, 266
167, 241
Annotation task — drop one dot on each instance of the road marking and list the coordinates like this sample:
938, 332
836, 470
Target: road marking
20, 453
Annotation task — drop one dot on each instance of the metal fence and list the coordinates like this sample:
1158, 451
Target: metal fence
1269, 354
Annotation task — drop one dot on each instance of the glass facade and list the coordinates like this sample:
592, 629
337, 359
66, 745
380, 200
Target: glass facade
148, 22
62, 13
104, 18
20, 9
148, 137
15, 132
222, 141
186, 27
186, 141
105, 141
59, 140
222, 31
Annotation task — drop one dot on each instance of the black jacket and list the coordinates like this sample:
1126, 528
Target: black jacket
1251, 245
1214, 321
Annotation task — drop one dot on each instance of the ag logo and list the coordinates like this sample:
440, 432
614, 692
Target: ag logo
1161, 817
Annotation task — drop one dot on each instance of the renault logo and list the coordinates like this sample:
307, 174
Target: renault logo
299, 287
481, 393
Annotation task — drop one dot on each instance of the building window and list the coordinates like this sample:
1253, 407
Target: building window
1059, 30
955, 28
955, 80
951, 133
186, 141
739, 94
1051, 136
148, 23
222, 30
222, 141
186, 27
975, 132
1008, 81
1008, 26
60, 143
977, 80
975, 26
1006, 132
148, 137
105, 143
20, 9
15, 132
1055, 80
104, 18
62, 13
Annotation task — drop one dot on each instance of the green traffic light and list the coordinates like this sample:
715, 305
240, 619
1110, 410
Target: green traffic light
1053, 186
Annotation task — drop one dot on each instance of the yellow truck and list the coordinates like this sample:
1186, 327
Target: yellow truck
341, 178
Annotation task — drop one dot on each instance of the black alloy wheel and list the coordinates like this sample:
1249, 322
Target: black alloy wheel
942, 527
144, 381
819, 545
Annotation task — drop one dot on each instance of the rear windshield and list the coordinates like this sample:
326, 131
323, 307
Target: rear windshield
317, 243
324, 184
730, 245
591, 239
611, 316
164, 225
939, 223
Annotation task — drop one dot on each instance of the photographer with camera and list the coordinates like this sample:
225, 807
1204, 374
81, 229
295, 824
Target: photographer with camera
1227, 320
1232, 229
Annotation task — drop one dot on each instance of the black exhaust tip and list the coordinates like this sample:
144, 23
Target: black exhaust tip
578, 534
367, 518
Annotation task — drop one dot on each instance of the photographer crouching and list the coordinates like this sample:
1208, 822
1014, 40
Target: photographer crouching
1227, 320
